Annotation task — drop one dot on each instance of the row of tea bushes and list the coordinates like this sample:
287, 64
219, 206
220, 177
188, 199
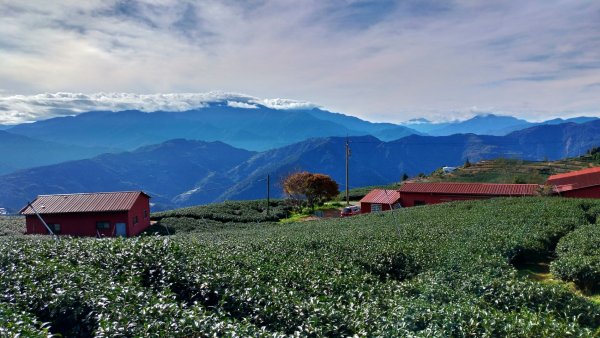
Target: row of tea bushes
578, 258
218, 216
441, 270
12, 225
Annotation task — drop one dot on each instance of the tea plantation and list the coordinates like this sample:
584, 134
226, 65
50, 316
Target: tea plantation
214, 217
12, 226
443, 270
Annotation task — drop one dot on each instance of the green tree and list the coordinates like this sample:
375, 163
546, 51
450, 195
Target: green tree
310, 188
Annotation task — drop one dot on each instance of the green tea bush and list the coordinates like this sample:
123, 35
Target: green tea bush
218, 216
12, 225
16, 323
232, 211
443, 270
578, 258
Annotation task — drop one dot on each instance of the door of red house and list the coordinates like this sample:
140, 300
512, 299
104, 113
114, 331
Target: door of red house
121, 230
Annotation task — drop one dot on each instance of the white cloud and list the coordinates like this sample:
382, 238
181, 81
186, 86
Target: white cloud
287, 104
27, 108
380, 60
238, 104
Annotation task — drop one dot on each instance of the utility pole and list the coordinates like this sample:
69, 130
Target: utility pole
268, 192
347, 156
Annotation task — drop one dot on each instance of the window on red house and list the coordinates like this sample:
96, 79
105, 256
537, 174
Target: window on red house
55, 227
102, 225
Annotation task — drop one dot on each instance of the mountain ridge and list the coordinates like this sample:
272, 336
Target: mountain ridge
20, 152
257, 129
184, 172
485, 124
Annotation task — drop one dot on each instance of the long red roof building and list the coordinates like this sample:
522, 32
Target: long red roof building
583, 183
413, 194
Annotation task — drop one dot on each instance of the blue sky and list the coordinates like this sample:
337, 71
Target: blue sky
379, 60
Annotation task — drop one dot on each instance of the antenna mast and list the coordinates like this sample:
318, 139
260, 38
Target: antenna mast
347, 156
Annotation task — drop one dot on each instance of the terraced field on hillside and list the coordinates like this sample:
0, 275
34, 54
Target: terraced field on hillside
513, 171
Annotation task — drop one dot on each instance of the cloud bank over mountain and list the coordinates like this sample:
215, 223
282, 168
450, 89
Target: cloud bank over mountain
382, 60
28, 108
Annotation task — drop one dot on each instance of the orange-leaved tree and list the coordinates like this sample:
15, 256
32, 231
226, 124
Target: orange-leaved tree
309, 187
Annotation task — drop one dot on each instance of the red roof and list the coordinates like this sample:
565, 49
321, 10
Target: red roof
86, 202
575, 179
381, 196
492, 189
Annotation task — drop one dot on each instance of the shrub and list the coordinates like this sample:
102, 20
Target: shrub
12, 225
578, 257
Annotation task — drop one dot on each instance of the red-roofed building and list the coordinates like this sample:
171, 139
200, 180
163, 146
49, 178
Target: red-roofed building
583, 183
413, 194
380, 200
90, 214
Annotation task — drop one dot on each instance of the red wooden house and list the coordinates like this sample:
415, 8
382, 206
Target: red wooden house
90, 214
581, 183
380, 200
413, 194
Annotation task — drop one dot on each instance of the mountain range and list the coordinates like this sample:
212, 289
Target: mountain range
19, 152
485, 124
188, 172
259, 128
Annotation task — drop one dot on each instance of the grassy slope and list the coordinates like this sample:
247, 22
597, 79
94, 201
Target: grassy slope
442, 270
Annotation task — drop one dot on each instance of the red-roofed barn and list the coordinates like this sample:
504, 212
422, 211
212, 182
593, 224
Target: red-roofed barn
90, 214
380, 200
581, 183
413, 194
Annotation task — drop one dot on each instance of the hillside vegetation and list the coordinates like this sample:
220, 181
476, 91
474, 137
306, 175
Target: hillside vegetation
213, 217
500, 170
12, 225
442, 270
505, 170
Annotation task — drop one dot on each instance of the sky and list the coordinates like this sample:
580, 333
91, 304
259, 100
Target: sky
379, 60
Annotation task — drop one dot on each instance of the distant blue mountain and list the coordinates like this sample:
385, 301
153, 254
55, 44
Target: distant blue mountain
18, 152
484, 124
183, 172
488, 124
580, 119
261, 128
164, 171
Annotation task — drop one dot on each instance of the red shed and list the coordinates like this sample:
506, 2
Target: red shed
581, 183
124, 213
413, 194
379, 200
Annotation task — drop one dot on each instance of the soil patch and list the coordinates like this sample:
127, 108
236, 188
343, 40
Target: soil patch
321, 214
